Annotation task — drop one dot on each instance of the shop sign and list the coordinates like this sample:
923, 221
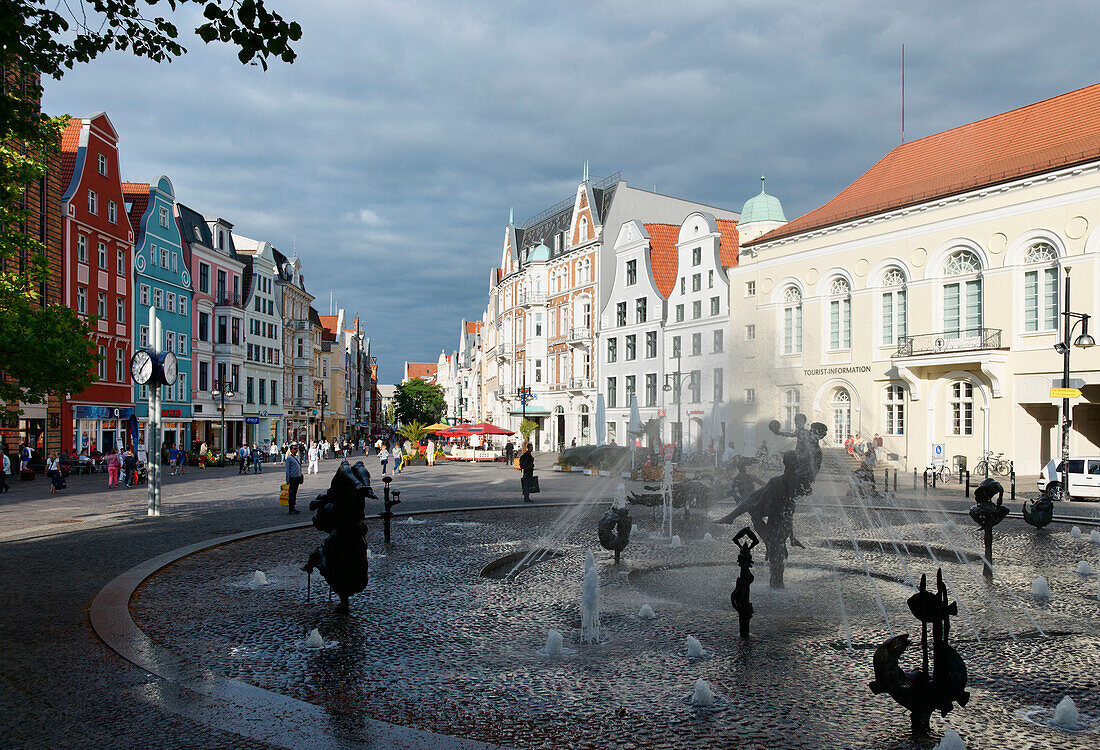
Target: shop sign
846, 370
171, 413
251, 420
101, 412
695, 411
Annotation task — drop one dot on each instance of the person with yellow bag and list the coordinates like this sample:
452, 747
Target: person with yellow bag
289, 490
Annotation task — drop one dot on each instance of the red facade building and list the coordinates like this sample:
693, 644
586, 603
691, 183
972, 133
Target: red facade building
97, 258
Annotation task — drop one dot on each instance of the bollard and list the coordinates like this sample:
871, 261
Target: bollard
968, 482
934, 478
914, 478
388, 503
895, 480
885, 480
960, 475
1012, 476
925, 481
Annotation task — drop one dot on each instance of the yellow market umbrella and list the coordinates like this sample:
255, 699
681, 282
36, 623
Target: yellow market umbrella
436, 427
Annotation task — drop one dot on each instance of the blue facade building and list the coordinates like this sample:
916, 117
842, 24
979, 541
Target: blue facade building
162, 280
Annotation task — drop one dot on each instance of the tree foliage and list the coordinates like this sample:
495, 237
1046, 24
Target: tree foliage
417, 400
413, 432
527, 428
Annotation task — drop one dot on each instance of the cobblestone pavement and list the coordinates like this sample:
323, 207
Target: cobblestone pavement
433, 645
59, 686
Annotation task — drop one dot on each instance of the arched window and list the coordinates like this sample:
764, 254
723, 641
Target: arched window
893, 307
1041, 288
962, 295
961, 402
842, 415
840, 314
792, 320
582, 229
894, 410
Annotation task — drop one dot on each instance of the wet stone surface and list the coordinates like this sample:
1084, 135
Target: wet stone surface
431, 644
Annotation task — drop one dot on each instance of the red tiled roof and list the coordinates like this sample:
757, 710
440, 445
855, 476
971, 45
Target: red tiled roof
727, 243
138, 194
70, 142
421, 369
472, 326
329, 323
663, 255
135, 187
1050, 134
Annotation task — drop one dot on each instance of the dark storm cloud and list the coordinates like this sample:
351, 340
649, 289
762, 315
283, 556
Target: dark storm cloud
392, 150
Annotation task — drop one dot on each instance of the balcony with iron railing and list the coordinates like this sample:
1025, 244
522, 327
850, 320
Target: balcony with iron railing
580, 335
227, 299
300, 325
580, 384
527, 299
945, 342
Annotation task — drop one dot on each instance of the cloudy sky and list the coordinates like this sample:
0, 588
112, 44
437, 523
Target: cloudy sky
392, 150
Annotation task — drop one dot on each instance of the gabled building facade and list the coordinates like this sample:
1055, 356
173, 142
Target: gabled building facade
98, 280
162, 280
298, 356
263, 359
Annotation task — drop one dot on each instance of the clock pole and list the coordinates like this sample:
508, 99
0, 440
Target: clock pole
152, 428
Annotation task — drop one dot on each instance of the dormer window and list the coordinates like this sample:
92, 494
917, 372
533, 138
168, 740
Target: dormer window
221, 240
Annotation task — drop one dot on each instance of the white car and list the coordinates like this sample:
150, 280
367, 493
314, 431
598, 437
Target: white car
1084, 478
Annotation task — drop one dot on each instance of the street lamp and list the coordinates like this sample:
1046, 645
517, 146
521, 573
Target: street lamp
322, 402
222, 390
678, 377
1083, 341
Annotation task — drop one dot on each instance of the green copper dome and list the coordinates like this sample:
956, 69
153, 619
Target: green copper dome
762, 207
538, 254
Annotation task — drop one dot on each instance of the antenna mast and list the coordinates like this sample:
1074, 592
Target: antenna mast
903, 93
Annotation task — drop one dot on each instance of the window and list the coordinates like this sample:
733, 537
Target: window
710, 279
719, 396
893, 307
961, 403
182, 394
612, 393
204, 376
274, 393
718, 343
169, 341
223, 329
120, 310
679, 313
102, 351
222, 285
696, 344
696, 282
143, 337
164, 257
620, 314
715, 305
750, 395
93, 203
750, 332
538, 370
631, 347
263, 390
112, 212
750, 288
144, 294
236, 331
651, 389
631, 382
640, 310
697, 309
120, 366
894, 410
236, 370
181, 306
683, 285
101, 304
676, 346
695, 383
121, 263
631, 272
204, 328
181, 347
102, 164
962, 299
158, 298
792, 321
298, 386
164, 217
1041, 289
249, 394
840, 314
171, 302
103, 255
792, 402
538, 324
82, 248
651, 344
204, 278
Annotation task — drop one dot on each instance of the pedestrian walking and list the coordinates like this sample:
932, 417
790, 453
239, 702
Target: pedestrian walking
257, 459
5, 471
430, 452
25, 455
314, 459
114, 466
293, 478
203, 450
398, 457
383, 457
509, 452
527, 466
129, 468
53, 471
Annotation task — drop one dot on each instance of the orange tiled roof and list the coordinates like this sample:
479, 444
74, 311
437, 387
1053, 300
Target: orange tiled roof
329, 323
138, 195
663, 255
133, 188
1050, 134
472, 326
421, 369
727, 243
70, 142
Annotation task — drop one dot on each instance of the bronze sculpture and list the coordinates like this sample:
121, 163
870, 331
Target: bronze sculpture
745, 540
1040, 511
988, 514
614, 528
339, 512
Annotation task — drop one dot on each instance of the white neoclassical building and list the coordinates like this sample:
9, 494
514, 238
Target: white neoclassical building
263, 363
923, 302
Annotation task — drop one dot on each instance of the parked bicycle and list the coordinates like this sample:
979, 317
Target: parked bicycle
993, 463
943, 474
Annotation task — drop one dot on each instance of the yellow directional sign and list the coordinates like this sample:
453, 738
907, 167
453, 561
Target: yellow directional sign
1065, 393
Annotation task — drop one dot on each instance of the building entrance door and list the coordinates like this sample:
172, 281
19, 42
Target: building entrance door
842, 416
560, 432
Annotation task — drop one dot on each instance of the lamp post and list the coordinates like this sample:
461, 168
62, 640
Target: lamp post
222, 390
322, 402
1084, 341
678, 378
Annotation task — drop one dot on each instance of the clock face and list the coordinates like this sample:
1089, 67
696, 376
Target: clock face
169, 368
141, 367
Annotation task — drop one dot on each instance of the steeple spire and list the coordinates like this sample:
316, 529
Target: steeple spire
761, 184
